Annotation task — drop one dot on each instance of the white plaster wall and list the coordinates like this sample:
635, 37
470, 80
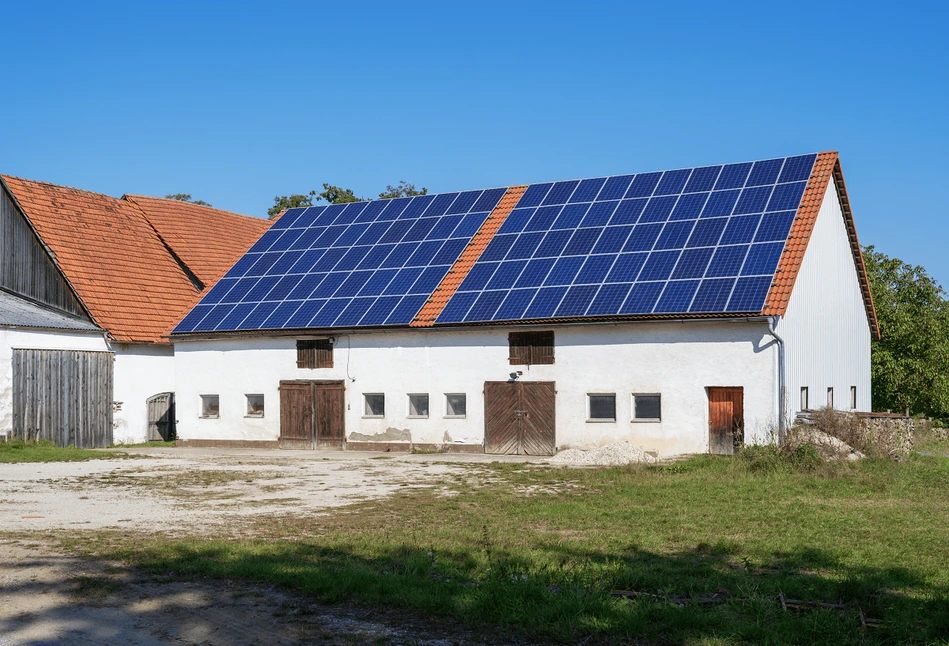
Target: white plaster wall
11, 338
140, 372
676, 360
825, 327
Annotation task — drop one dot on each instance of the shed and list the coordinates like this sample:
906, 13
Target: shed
685, 311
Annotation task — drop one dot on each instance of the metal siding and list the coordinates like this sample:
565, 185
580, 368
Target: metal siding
826, 330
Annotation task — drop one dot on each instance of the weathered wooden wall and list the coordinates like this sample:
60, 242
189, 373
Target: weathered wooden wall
25, 266
64, 396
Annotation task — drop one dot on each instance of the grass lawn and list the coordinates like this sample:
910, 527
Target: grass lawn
44, 451
710, 545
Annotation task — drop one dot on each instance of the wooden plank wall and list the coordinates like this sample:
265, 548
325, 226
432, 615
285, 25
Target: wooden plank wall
64, 396
25, 266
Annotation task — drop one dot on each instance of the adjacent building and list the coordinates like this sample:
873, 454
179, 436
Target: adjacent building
89, 284
685, 311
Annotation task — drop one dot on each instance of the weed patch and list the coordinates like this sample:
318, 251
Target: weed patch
45, 451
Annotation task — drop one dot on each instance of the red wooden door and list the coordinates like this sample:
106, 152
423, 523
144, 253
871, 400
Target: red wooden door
726, 420
520, 417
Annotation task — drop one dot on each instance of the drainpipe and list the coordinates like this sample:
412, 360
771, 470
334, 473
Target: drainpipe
782, 422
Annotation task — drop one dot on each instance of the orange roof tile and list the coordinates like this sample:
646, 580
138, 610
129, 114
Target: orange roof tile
479, 242
113, 258
826, 167
206, 239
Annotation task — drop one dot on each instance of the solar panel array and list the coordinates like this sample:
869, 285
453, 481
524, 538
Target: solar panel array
345, 265
689, 241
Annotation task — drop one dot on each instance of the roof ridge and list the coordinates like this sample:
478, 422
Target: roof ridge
131, 197
59, 186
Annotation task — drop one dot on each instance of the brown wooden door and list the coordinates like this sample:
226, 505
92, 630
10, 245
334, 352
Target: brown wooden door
520, 417
328, 399
726, 420
311, 414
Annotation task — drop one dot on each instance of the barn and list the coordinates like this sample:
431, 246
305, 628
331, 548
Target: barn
684, 311
88, 286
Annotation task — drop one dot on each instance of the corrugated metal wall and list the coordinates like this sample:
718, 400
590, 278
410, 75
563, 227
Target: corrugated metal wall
64, 396
826, 328
25, 266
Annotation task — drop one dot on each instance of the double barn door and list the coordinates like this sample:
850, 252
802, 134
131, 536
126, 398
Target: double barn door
312, 414
519, 417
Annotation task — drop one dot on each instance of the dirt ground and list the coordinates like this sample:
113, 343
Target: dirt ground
51, 598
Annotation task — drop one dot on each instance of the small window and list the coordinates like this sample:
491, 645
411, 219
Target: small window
804, 402
830, 397
602, 408
255, 405
647, 407
210, 406
853, 398
456, 405
418, 405
375, 404
314, 353
530, 348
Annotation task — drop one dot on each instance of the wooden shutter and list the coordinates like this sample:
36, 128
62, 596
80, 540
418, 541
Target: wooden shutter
314, 353
531, 348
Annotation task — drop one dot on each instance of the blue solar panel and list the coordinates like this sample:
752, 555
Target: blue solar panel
701, 240
346, 265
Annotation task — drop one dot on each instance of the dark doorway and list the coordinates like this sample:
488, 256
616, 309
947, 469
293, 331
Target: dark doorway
312, 414
726, 420
161, 417
519, 417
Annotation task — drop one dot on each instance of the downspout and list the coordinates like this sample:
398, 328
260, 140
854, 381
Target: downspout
782, 422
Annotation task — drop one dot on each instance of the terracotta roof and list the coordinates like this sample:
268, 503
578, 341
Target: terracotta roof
479, 242
826, 167
206, 239
134, 282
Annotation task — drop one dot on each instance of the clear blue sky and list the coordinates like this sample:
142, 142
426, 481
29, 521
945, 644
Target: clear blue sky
235, 105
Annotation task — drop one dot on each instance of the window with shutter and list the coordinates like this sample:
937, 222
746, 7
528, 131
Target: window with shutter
531, 348
314, 353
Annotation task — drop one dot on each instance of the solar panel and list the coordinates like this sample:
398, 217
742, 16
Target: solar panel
687, 241
345, 265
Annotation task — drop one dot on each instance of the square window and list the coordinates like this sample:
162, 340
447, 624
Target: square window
418, 405
314, 353
375, 404
255, 405
210, 406
456, 405
647, 407
602, 407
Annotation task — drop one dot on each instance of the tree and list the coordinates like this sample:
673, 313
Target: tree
337, 195
283, 202
910, 362
186, 197
403, 189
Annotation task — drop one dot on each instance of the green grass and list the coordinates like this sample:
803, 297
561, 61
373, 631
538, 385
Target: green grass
44, 451
540, 550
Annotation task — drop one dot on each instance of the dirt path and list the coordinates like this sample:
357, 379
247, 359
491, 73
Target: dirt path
48, 599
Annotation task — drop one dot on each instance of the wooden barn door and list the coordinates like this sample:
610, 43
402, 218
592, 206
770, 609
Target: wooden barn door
311, 414
161, 417
64, 396
726, 420
519, 417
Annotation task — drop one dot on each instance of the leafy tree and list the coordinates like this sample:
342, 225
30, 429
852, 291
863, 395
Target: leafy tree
910, 363
283, 202
186, 197
403, 189
337, 195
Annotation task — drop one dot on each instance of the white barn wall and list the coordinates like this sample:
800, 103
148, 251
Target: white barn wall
140, 371
825, 327
21, 338
677, 360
